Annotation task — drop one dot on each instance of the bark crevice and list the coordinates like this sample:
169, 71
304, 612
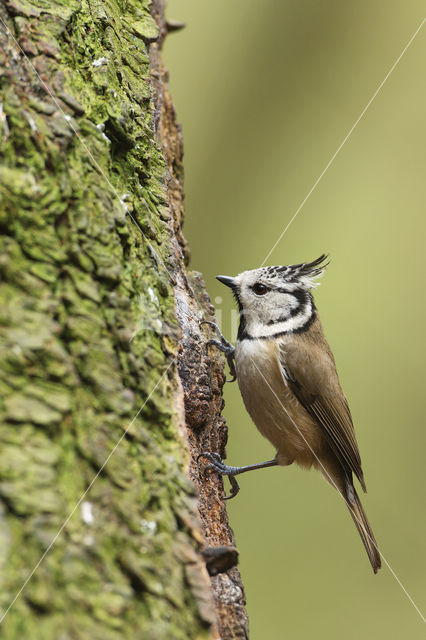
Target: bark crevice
201, 371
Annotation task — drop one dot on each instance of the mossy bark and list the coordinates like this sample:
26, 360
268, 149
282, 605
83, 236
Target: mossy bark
98, 316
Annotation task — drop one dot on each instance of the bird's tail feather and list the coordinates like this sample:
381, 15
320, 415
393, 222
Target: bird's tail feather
358, 515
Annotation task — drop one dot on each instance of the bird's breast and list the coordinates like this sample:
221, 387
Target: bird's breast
271, 404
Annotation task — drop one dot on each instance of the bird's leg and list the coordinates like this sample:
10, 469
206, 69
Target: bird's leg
218, 465
225, 346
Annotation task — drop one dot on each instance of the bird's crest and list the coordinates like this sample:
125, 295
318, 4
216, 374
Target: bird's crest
305, 273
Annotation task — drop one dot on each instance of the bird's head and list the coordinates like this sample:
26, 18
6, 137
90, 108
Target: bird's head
276, 300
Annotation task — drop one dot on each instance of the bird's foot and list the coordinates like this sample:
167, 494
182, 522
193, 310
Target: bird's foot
217, 464
224, 345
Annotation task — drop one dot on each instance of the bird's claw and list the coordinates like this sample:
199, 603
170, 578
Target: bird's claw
217, 464
223, 345
210, 455
235, 487
214, 459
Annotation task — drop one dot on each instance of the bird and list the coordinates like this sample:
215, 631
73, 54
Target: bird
288, 380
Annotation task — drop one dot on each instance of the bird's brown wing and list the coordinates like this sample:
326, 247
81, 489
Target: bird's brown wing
310, 372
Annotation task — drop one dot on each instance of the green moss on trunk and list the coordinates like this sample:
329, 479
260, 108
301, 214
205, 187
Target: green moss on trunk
87, 328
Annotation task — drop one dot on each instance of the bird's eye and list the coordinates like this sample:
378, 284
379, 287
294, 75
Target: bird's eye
260, 289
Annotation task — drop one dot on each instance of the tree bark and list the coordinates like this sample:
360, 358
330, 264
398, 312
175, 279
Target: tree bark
108, 393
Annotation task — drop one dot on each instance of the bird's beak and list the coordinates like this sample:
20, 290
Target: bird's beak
230, 282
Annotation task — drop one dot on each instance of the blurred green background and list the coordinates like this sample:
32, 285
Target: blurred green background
266, 92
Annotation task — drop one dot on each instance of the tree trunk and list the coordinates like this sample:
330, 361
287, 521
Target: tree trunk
108, 393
